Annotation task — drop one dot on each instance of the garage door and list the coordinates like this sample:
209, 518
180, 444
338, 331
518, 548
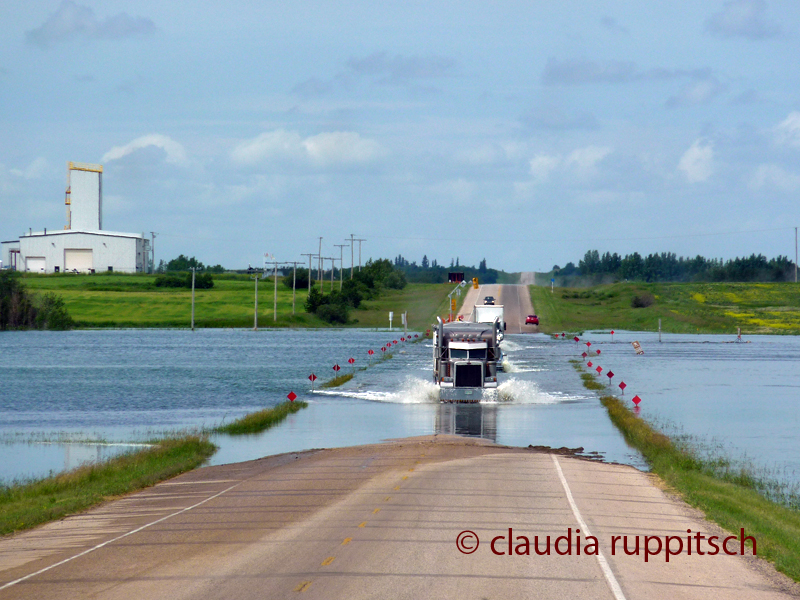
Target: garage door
35, 264
78, 259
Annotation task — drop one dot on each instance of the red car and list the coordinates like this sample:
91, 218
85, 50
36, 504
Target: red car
532, 320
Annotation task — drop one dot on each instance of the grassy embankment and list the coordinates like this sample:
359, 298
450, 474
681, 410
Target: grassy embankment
120, 300
26, 505
261, 420
682, 307
727, 495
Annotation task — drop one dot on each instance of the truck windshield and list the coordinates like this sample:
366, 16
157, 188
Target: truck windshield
474, 354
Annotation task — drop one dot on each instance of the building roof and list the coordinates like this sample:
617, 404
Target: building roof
86, 232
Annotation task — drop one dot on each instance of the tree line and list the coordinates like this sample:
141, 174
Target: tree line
667, 266
19, 309
430, 271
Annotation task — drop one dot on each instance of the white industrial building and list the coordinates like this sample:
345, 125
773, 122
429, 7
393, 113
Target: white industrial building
82, 246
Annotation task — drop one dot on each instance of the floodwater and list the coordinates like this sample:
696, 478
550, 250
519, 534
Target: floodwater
71, 397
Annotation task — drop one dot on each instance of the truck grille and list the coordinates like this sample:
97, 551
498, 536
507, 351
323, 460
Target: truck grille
469, 375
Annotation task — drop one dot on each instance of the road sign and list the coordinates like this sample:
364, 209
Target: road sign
598, 350
370, 352
351, 360
638, 347
291, 396
636, 400
312, 377
336, 368
622, 386
610, 374
403, 339
383, 349
588, 344
589, 364
452, 304
577, 339
599, 370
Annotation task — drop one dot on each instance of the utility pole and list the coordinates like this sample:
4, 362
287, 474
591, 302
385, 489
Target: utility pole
275, 300
352, 237
321, 274
795, 254
193, 270
153, 235
332, 259
359, 252
294, 280
310, 256
341, 263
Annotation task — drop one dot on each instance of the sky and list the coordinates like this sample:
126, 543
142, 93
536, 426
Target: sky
525, 133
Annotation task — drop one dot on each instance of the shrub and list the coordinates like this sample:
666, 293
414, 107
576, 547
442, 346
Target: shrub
643, 301
52, 313
333, 313
396, 280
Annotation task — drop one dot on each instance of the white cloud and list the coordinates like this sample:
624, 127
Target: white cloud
35, 170
544, 164
697, 162
697, 92
175, 152
327, 148
581, 162
774, 177
788, 132
73, 20
743, 18
584, 160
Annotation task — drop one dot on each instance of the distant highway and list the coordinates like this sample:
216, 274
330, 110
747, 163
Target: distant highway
516, 301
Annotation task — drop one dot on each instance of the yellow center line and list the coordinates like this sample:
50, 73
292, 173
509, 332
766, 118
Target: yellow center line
397, 487
328, 561
411, 469
302, 587
364, 524
405, 477
347, 541
376, 511
387, 498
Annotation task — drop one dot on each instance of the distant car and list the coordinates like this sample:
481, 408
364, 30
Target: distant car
532, 320
488, 300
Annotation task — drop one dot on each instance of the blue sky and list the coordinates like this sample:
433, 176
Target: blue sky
522, 132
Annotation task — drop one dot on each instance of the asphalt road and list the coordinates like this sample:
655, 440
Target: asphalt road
380, 521
516, 303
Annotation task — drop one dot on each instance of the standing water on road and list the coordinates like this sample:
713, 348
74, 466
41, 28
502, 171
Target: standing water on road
110, 387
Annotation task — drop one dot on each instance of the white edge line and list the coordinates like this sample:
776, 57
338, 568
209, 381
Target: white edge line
607, 572
107, 542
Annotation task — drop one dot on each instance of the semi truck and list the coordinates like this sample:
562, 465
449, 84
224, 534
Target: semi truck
466, 356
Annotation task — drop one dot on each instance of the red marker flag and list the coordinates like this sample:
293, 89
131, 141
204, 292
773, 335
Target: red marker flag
383, 348
291, 396
599, 370
610, 374
402, 339
622, 385
589, 364
312, 377
351, 360
336, 368
577, 339
588, 344
598, 350
370, 352
584, 355
636, 400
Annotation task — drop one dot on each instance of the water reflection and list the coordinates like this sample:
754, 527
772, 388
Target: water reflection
474, 420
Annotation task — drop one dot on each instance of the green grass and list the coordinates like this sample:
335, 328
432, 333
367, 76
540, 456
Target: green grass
337, 381
24, 506
123, 300
263, 419
730, 500
423, 301
682, 307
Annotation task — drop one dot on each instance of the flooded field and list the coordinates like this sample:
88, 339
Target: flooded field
70, 397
